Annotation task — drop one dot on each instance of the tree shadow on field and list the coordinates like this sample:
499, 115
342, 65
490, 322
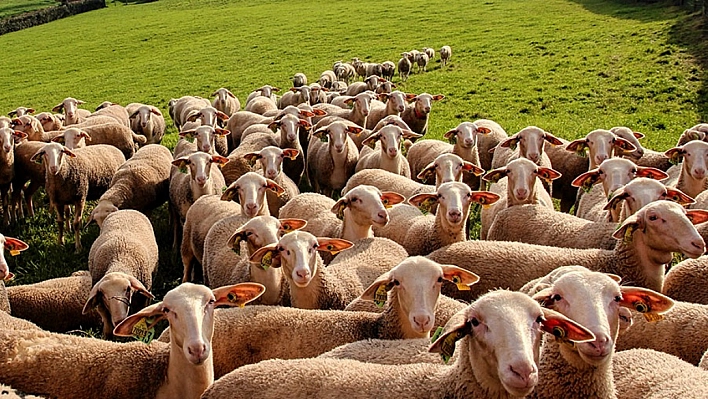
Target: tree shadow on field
631, 9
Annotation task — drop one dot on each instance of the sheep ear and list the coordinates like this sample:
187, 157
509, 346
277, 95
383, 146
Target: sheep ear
85, 135
469, 167
615, 199
153, 313
383, 96
155, 111
679, 197
94, 298
651, 173
68, 152
438, 97
484, 198
274, 125
339, 207
543, 297
411, 97
378, 290
230, 194
548, 174
319, 112
252, 157
424, 202
238, 294
617, 279
304, 124
15, 246
291, 153
624, 145
407, 134
459, 276
219, 160
188, 135
578, 146
290, 225
675, 155
697, 216
493, 176
30, 110
510, 143
643, 300
136, 285
214, 93
275, 187
451, 136
266, 257
371, 140
354, 130
80, 102
134, 114
181, 164
221, 115
587, 180
321, 134
12, 113
59, 139
58, 108
333, 245
638, 135
306, 114
275, 89
625, 231
294, 89
389, 199
552, 139
564, 328
445, 338
19, 134
234, 241
427, 173
193, 117
483, 130
37, 157
221, 132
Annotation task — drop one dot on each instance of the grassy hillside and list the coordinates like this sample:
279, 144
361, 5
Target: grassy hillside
568, 66
9, 8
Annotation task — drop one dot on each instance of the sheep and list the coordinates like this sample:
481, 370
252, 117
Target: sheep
121, 261
183, 368
225, 101
207, 140
5, 122
290, 127
482, 369
421, 234
370, 84
148, 121
7, 169
517, 183
261, 105
19, 111
326, 79
417, 114
463, 142
404, 67
49, 121
238, 165
263, 91
295, 96
373, 68
345, 72
31, 126
579, 156
338, 88
210, 116
73, 114
697, 132
73, 177
388, 69
613, 173
56, 304
659, 228
180, 108
14, 247
687, 280
594, 300
361, 104
192, 177
422, 62
318, 94
225, 264
527, 143
395, 104
299, 79
385, 87
330, 164
26, 171
141, 183
116, 112
641, 156
445, 54
648, 374
640, 192
388, 157
690, 165
271, 159
250, 192
350, 218
487, 142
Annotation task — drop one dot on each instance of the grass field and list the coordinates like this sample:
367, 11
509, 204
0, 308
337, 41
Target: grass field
568, 66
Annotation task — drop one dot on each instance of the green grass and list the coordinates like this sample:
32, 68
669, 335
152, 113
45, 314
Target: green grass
9, 8
568, 66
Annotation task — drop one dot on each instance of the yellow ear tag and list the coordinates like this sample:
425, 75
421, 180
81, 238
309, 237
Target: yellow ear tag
143, 330
293, 157
427, 205
237, 246
267, 260
386, 204
332, 250
14, 252
675, 158
371, 144
653, 317
340, 211
447, 347
587, 185
582, 152
183, 169
9, 276
453, 139
512, 145
38, 160
234, 299
460, 286
628, 237
381, 296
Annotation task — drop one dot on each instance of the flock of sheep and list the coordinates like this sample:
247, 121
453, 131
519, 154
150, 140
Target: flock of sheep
350, 281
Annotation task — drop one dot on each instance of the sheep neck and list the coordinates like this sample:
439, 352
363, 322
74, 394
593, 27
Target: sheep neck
448, 233
563, 373
392, 165
638, 263
356, 116
185, 379
320, 293
532, 199
353, 231
470, 154
690, 185
482, 382
272, 279
199, 191
394, 325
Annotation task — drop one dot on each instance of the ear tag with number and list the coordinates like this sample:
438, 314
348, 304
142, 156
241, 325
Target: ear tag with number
267, 260
340, 211
381, 296
447, 347
144, 330
14, 252
628, 235
460, 286
386, 203
675, 158
582, 152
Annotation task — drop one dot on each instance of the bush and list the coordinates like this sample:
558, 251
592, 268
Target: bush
39, 17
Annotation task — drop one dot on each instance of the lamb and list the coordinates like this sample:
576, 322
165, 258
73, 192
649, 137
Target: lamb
463, 142
7, 169
445, 54
422, 62
530, 142
192, 177
395, 104
513, 371
516, 183
421, 234
49, 121
385, 180
225, 264
404, 67
271, 159
183, 368
417, 114
687, 280
148, 121
659, 228
73, 177
388, 157
360, 104
141, 183
56, 304
299, 79
225, 101
73, 114
690, 175
326, 79
264, 91
330, 164
261, 105
121, 261
641, 156
318, 94
180, 108
14, 246
592, 299
388, 69
295, 96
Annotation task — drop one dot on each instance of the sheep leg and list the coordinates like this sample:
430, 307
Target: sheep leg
29, 194
4, 193
78, 212
60, 222
187, 259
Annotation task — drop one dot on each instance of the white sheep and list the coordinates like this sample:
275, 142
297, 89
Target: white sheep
517, 183
14, 247
641, 156
147, 121
225, 101
271, 160
295, 96
263, 91
180, 108
318, 94
49, 121
420, 233
19, 111
422, 62
370, 84
687, 280
183, 368
238, 165
445, 54
299, 79
395, 104
207, 140
290, 127
332, 157
107, 109
417, 114
261, 105
641, 191
73, 114
360, 107
528, 143
250, 192
326, 79
121, 261
33, 128
385, 180
388, 70
488, 365
72, 177
404, 67
690, 171
386, 154
26, 171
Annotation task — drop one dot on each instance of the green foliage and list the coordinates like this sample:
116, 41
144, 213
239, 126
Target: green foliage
9, 8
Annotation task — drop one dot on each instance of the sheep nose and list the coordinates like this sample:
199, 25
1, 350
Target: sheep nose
271, 173
427, 110
521, 193
201, 180
469, 142
53, 169
454, 215
383, 215
339, 148
533, 156
600, 157
525, 373
206, 148
303, 274
400, 108
365, 112
392, 152
601, 345
251, 207
699, 244
699, 173
143, 124
422, 322
7, 148
197, 351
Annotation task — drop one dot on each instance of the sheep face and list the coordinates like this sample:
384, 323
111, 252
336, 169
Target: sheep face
205, 135
12, 245
366, 205
289, 126
199, 164
633, 138
250, 190
222, 97
531, 141
113, 294
271, 159
29, 125
466, 134
337, 134
69, 105
398, 100
73, 138
143, 115
423, 102
101, 211
361, 102
7, 139
642, 191
600, 145
209, 116
49, 121
503, 335
522, 177
448, 168
694, 156
52, 154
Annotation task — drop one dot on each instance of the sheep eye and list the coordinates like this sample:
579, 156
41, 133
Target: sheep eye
474, 322
280, 249
440, 279
618, 298
556, 297
539, 319
396, 282
653, 217
354, 199
165, 310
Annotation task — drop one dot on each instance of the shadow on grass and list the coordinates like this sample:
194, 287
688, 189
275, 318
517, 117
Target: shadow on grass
632, 9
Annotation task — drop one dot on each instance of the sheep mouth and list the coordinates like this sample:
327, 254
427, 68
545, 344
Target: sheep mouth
519, 388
